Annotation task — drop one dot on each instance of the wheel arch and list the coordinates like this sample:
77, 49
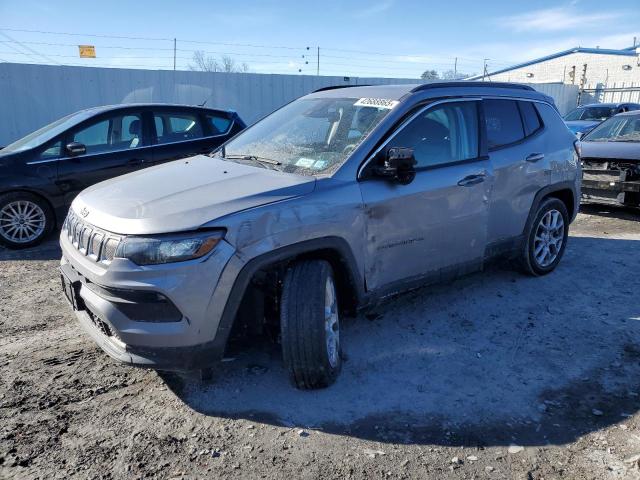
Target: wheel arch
563, 191
335, 250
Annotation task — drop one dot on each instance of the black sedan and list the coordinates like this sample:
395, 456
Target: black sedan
41, 173
611, 161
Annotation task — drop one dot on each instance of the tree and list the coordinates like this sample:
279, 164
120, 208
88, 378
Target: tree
430, 75
453, 75
205, 63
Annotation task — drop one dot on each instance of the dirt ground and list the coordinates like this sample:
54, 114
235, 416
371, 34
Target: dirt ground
493, 376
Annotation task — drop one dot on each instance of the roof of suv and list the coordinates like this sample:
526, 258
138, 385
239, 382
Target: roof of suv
397, 92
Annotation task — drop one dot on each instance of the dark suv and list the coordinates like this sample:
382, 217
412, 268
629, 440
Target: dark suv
40, 174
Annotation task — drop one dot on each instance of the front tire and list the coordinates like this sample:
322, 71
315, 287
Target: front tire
25, 220
546, 238
310, 327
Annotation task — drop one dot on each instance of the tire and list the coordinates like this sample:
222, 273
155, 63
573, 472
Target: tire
25, 220
546, 239
308, 313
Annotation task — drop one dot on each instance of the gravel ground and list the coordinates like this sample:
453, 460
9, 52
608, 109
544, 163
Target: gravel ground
493, 376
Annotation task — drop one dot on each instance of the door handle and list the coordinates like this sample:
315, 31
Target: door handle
472, 180
535, 157
135, 161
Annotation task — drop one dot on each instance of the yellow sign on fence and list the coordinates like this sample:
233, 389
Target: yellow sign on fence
87, 51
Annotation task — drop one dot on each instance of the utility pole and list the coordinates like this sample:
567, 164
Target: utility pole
318, 67
485, 72
174, 54
455, 69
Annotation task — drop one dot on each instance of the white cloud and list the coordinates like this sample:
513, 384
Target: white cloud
375, 9
557, 19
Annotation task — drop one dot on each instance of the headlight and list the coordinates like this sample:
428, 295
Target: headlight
153, 250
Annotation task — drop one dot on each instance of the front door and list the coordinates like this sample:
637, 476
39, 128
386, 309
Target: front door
114, 146
437, 224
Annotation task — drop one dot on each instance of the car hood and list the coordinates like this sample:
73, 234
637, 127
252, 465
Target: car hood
611, 150
183, 195
578, 126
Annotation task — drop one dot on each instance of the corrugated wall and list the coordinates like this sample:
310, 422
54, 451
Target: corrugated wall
33, 95
565, 96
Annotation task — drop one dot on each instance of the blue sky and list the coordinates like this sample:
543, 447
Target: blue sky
390, 38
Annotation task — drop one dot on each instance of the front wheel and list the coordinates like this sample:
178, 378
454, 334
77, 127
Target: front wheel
546, 238
25, 220
310, 325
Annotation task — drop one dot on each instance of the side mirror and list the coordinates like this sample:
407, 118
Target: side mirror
75, 148
398, 165
579, 135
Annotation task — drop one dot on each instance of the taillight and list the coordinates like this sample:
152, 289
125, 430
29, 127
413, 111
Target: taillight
578, 147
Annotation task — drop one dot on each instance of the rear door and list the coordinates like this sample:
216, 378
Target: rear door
115, 144
519, 157
436, 225
178, 133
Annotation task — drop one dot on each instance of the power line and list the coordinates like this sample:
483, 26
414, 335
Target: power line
83, 34
123, 37
376, 63
246, 45
27, 48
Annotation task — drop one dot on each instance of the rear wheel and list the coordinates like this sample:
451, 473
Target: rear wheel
546, 238
310, 325
25, 220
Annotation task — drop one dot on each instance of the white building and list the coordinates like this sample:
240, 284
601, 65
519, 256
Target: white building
588, 68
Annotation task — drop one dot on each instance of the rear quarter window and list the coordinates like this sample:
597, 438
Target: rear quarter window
530, 117
218, 124
504, 125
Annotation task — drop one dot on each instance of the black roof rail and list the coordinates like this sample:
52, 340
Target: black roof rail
335, 87
463, 83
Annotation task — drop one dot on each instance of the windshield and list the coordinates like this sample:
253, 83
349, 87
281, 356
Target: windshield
308, 136
590, 113
624, 128
42, 135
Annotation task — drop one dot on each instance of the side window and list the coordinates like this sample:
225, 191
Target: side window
177, 127
120, 132
96, 135
446, 133
530, 117
504, 125
52, 151
218, 124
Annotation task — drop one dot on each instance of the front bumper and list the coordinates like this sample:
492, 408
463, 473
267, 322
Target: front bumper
197, 290
609, 186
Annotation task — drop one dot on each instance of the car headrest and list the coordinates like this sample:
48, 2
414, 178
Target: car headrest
134, 127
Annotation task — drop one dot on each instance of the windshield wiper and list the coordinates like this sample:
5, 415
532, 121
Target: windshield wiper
253, 158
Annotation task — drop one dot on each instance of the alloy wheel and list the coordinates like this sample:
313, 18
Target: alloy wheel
22, 221
331, 322
548, 239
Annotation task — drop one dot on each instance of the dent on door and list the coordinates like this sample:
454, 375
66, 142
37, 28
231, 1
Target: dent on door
434, 225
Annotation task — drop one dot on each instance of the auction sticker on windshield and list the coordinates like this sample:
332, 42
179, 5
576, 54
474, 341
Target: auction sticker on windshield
376, 102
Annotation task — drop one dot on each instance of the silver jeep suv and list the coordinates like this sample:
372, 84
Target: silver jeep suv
337, 199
